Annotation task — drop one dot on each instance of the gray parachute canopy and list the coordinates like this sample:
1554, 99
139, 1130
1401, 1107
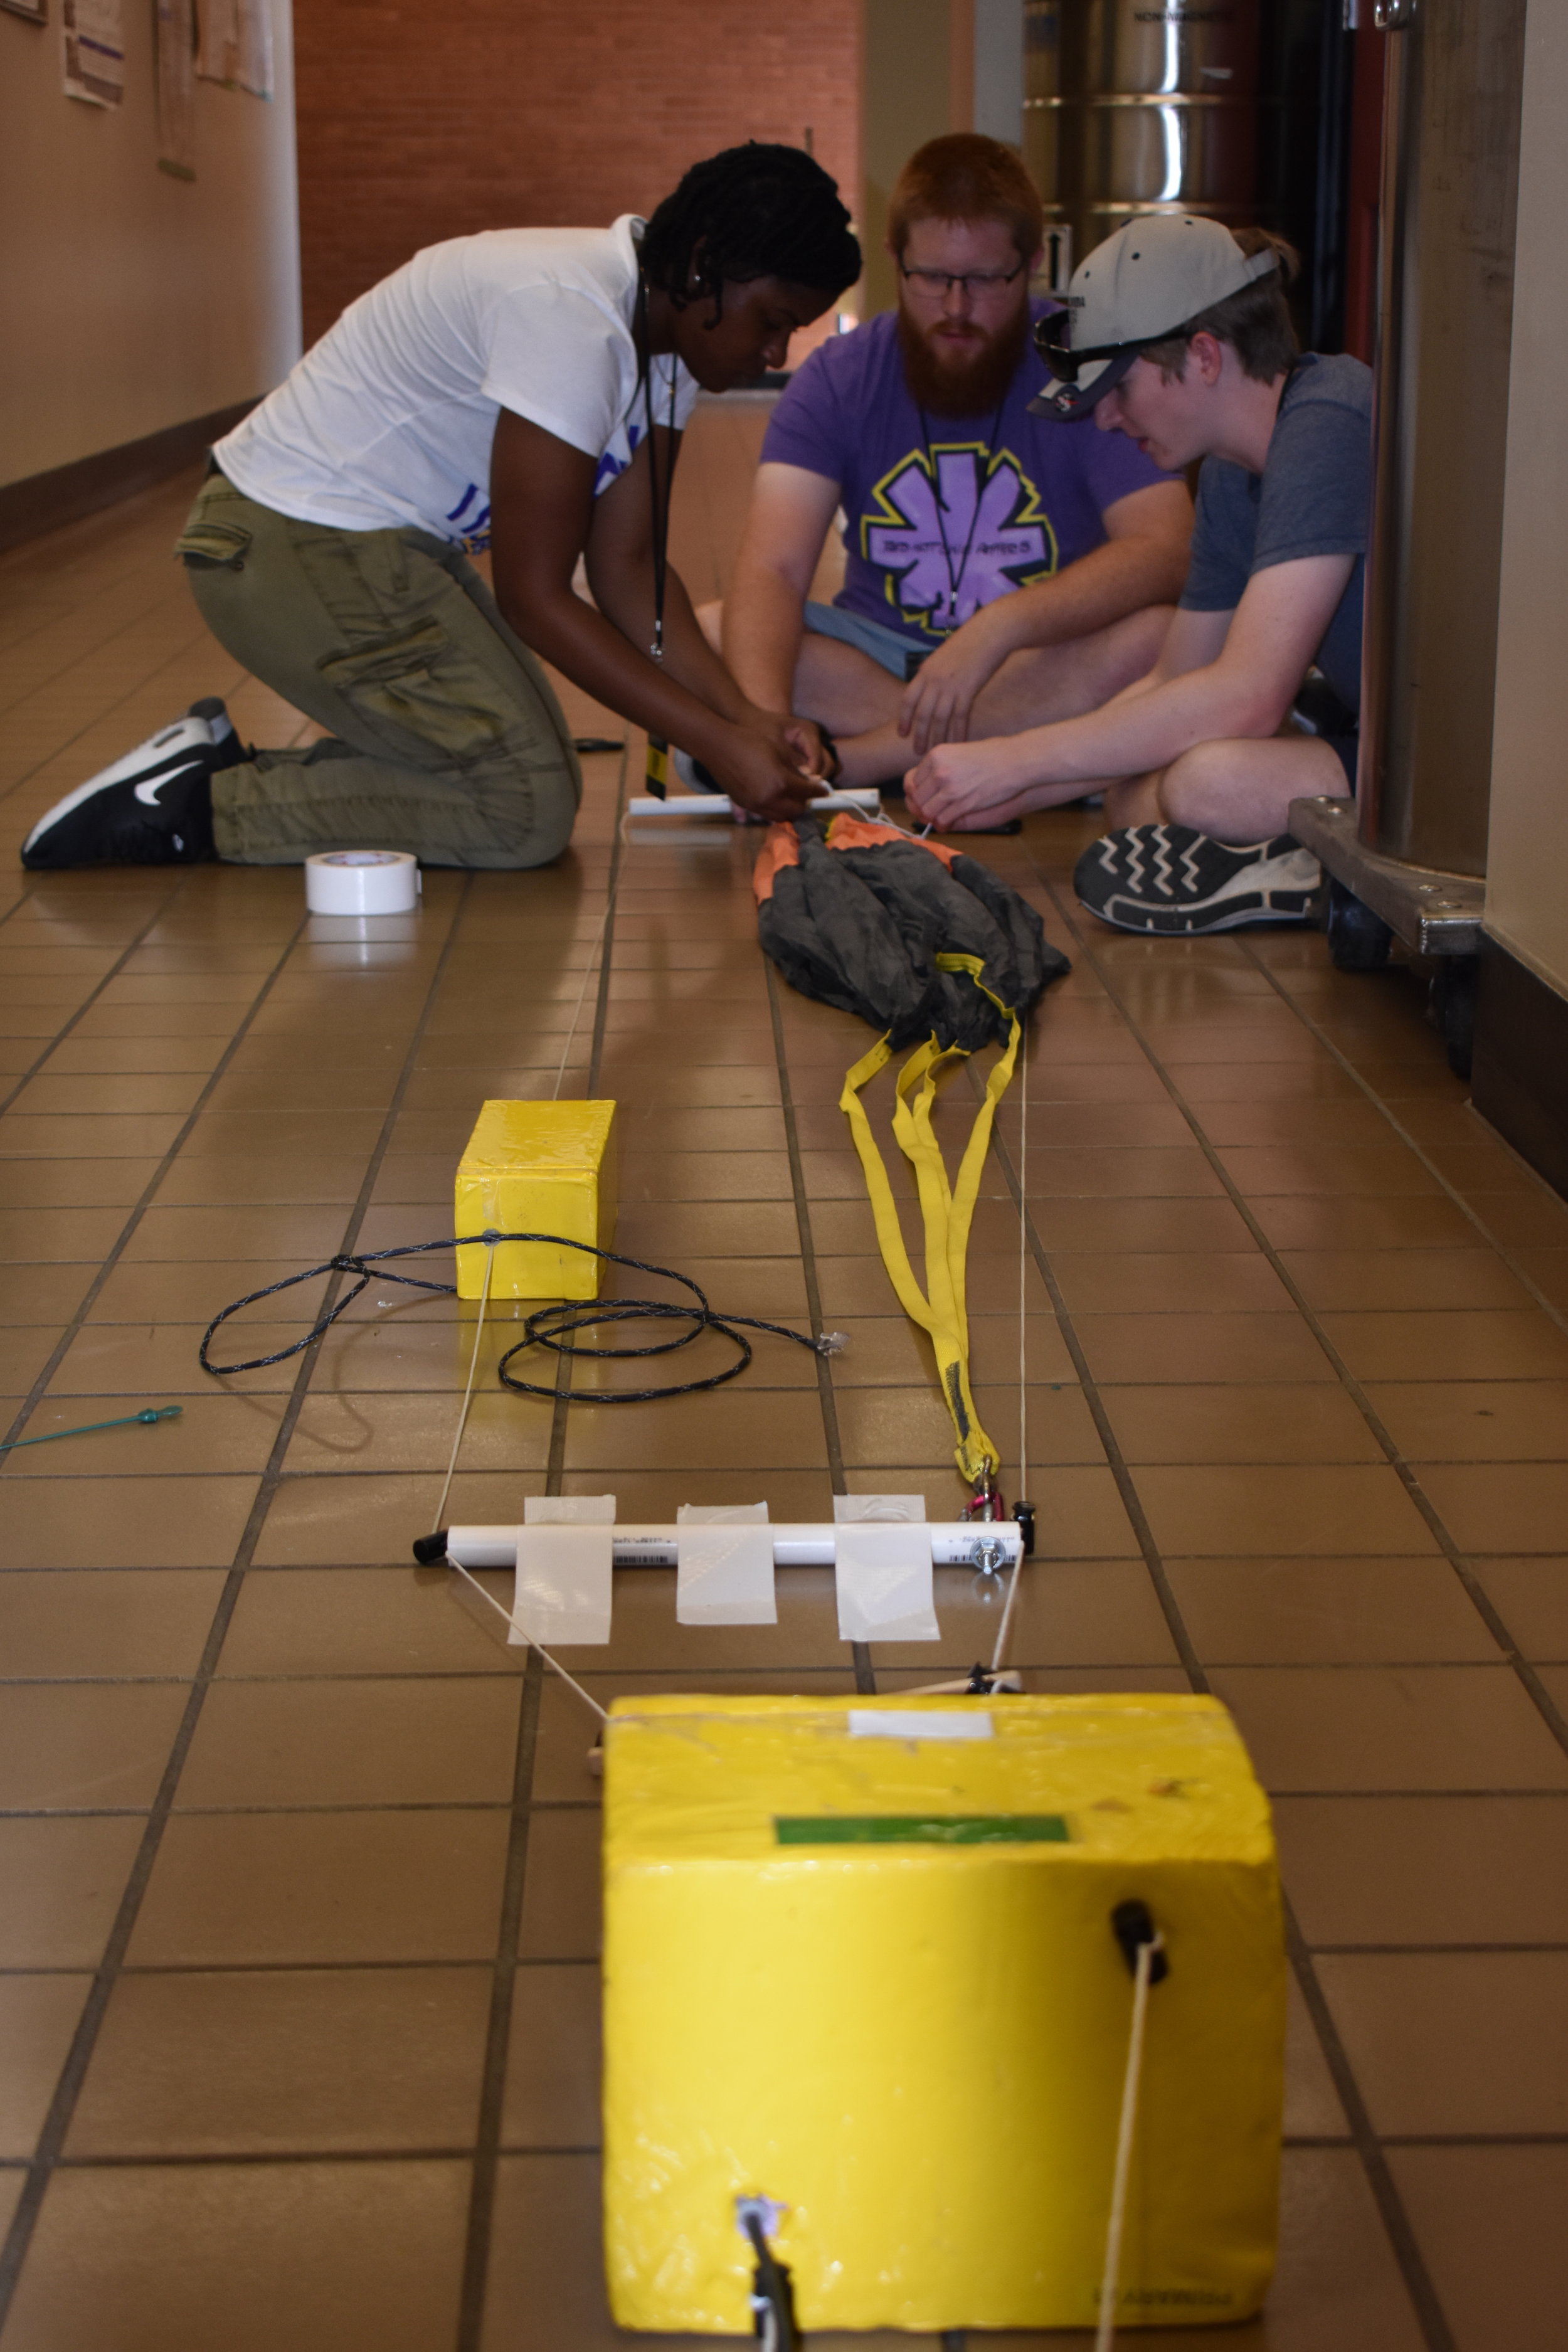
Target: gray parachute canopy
856, 914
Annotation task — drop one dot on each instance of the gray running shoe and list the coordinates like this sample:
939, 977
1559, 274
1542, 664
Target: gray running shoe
1171, 881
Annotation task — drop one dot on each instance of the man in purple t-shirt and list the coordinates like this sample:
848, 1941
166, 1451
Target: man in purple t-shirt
999, 573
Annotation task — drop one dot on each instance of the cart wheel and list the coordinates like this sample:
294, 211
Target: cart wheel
1452, 1005
1359, 940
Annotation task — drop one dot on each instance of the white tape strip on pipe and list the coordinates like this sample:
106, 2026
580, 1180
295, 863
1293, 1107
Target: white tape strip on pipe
724, 1565
883, 1569
361, 882
565, 1563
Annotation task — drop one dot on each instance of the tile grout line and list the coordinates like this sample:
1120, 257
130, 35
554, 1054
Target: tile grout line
488, 2138
1429, 2314
1453, 1551
90, 998
1121, 1471
486, 2163
860, 1652
143, 1201
68, 2085
1473, 1215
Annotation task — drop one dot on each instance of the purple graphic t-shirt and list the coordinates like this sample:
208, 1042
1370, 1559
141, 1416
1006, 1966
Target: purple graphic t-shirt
926, 549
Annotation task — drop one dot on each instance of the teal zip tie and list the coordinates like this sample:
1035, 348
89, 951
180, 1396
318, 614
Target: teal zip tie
148, 1413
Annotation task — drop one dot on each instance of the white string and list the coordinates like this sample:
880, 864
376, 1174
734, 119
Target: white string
468, 1391
1109, 2285
1004, 1630
553, 1663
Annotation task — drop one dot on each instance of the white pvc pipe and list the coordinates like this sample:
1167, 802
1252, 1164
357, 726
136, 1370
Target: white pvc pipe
954, 1544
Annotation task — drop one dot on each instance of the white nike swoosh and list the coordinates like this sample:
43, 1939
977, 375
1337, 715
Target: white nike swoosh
150, 788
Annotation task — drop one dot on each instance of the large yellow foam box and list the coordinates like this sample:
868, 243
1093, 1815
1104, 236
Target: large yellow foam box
859, 1960
538, 1167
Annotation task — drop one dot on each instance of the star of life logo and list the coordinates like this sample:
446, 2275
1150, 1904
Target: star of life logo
997, 535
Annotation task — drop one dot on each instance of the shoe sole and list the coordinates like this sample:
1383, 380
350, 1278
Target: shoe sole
1175, 926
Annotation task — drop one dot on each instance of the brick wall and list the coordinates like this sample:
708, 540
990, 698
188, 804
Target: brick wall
433, 117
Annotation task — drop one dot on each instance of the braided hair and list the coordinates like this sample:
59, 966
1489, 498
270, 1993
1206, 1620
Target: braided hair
757, 210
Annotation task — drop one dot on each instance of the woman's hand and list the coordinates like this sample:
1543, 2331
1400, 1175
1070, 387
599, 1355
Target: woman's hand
761, 770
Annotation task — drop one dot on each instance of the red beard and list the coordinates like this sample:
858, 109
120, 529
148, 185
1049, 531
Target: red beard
969, 387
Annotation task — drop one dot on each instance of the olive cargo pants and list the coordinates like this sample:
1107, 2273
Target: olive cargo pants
447, 739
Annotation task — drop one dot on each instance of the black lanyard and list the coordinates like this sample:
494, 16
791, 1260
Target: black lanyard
657, 772
955, 579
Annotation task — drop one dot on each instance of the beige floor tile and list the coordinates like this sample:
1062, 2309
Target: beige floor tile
1502, 1507
1532, 1595
46, 1295
53, 1184
43, 1236
1170, 1282
1478, 1421
86, 1746
116, 1622
1426, 1870
286, 2062
357, 2257
1365, 1281
356, 1620
1201, 1347
1384, 1727
1329, 1612
1303, 1509
37, 2019
212, 1432
1450, 1346
754, 1429
1312, 2109
334, 1522
1235, 1425
63, 1881
1489, 2221
552, 2060
272, 1889
143, 1522
449, 1740
561, 1891
1455, 2043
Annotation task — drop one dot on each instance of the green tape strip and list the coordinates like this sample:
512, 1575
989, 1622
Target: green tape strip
921, 1829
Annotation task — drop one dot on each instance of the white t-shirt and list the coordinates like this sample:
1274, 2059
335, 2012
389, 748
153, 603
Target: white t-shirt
387, 422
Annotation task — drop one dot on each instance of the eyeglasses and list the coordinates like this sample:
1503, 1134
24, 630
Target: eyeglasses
938, 284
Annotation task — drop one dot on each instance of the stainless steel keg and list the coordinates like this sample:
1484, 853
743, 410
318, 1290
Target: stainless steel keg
1135, 106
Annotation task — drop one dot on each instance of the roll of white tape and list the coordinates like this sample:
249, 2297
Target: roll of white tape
361, 882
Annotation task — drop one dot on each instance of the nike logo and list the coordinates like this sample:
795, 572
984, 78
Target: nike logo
151, 786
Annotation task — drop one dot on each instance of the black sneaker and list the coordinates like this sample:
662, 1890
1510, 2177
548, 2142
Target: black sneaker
155, 807
1168, 879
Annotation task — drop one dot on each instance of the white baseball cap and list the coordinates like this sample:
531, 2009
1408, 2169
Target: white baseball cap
1143, 284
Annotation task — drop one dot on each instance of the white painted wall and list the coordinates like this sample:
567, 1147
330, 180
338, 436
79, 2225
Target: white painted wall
1527, 868
130, 300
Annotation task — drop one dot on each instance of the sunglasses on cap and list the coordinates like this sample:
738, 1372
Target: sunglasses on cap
1064, 362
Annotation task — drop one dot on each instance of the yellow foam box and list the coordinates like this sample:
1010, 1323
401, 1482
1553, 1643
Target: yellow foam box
538, 1167
874, 1980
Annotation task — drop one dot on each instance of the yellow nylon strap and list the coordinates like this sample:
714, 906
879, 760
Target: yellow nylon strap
947, 1212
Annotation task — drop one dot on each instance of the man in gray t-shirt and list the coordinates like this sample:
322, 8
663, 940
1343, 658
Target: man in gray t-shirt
1180, 337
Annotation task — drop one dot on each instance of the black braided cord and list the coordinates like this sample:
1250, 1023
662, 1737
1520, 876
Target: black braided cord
553, 1327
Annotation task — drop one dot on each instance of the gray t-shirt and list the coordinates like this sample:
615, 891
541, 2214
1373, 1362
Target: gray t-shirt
1312, 498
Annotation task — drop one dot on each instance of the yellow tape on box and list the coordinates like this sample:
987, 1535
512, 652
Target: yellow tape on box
874, 1978
538, 1167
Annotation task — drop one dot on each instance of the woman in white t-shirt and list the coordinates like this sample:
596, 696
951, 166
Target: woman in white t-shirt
496, 391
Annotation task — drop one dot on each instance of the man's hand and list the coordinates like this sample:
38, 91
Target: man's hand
760, 773
958, 787
941, 696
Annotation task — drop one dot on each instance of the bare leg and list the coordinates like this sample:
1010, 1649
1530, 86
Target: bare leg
1235, 792
858, 701
1031, 688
